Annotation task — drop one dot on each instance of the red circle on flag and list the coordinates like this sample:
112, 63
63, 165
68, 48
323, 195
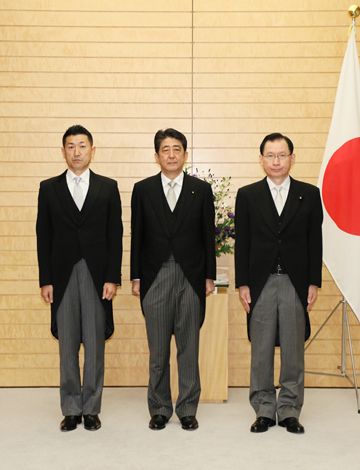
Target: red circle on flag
341, 187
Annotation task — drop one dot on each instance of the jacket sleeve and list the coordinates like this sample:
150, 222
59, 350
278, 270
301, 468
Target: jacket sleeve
315, 240
209, 233
114, 237
136, 234
44, 235
242, 240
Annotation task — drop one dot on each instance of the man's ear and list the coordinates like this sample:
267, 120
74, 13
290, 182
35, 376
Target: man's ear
260, 159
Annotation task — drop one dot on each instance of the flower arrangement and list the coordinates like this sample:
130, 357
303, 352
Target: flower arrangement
224, 216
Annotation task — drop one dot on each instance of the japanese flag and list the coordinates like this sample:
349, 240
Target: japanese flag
339, 182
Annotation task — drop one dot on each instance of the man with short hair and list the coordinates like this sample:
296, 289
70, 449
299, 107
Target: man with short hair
172, 269
278, 260
79, 243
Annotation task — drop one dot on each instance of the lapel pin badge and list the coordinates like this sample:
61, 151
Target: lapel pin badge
192, 192
300, 197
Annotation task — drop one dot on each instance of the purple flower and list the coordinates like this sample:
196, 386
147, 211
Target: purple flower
231, 215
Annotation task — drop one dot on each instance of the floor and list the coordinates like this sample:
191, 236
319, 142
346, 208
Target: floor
30, 437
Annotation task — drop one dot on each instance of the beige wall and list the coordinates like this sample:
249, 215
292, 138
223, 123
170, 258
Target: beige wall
224, 72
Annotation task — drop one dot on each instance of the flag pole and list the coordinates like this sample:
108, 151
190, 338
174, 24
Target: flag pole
354, 12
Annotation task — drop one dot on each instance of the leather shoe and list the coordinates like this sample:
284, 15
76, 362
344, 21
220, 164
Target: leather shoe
69, 423
292, 425
158, 422
189, 423
262, 424
92, 422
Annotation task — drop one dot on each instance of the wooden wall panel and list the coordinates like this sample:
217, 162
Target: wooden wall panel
223, 71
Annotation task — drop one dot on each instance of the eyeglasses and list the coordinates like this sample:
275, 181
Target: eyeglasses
280, 156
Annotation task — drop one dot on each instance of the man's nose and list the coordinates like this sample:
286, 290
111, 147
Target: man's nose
77, 150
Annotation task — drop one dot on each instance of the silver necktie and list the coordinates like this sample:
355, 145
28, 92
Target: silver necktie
171, 195
279, 202
78, 195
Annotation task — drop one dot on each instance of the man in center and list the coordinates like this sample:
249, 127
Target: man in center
172, 269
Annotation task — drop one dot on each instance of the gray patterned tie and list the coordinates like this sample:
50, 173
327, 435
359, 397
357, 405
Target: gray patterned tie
171, 195
279, 202
78, 195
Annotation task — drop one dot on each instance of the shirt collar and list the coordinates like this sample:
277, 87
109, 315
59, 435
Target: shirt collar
85, 176
178, 180
285, 184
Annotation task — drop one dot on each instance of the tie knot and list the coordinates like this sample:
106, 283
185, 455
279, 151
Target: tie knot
172, 184
77, 179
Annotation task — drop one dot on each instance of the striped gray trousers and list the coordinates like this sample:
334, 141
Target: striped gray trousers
171, 306
277, 309
81, 318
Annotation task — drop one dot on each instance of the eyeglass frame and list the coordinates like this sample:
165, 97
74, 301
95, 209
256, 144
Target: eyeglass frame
281, 157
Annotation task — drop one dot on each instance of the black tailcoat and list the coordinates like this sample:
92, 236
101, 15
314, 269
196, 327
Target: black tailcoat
65, 235
261, 236
189, 236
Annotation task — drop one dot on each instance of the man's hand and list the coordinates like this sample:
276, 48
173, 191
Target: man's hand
312, 296
109, 291
245, 298
135, 287
47, 293
209, 286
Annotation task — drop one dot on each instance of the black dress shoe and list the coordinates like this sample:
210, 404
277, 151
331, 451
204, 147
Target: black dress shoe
262, 424
292, 425
69, 423
92, 422
189, 423
158, 422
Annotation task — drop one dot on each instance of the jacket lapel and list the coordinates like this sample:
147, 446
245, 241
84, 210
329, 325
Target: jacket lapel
66, 200
293, 203
93, 191
157, 197
182, 209
265, 203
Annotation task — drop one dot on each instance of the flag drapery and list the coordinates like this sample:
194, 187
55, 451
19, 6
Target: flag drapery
339, 182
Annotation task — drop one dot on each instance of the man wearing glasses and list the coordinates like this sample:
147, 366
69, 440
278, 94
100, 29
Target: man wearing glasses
278, 258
